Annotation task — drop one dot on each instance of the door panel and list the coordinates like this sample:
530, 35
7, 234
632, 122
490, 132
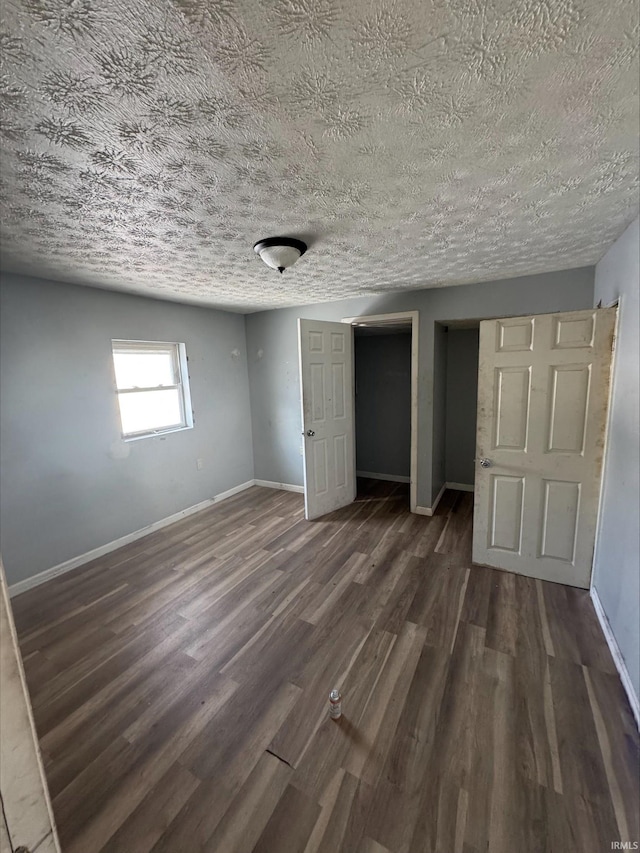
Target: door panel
560, 520
574, 333
511, 406
337, 342
568, 407
320, 468
506, 513
326, 370
340, 452
542, 405
316, 372
339, 391
515, 335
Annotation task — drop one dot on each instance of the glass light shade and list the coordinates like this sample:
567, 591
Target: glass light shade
279, 256
280, 252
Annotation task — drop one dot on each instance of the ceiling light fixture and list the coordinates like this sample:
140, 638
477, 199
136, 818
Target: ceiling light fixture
280, 252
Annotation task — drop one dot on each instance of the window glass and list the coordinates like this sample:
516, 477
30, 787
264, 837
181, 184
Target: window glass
143, 411
152, 387
144, 369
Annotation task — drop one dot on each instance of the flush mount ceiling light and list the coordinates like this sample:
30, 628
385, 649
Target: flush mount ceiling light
280, 252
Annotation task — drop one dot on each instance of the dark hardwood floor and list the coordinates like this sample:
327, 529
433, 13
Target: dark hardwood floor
180, 689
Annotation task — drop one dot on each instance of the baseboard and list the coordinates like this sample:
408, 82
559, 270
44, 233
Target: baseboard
617, 655
460, 487
423, 510
286, 487
81, 559
390, 478
430, 510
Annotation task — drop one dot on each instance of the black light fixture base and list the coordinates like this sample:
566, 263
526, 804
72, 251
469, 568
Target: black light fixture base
280, 241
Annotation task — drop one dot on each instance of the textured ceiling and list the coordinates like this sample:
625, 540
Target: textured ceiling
419, 143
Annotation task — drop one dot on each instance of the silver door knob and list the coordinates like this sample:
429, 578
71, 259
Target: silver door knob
310, 433
485, 463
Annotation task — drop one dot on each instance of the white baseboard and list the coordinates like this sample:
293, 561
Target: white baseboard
430, 510
234, 490
286, 487
460, 487
390, 478
81, 559
617, 655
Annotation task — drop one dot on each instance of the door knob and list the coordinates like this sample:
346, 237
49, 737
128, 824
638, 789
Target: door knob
485, 463
310, 433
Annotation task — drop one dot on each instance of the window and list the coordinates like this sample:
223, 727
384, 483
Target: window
152, 386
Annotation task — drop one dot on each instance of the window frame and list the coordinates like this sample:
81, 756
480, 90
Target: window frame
179, 358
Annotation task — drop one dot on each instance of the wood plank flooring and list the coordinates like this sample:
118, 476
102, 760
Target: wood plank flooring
180, 691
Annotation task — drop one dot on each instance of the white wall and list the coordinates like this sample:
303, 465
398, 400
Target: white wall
617, 557
69, 482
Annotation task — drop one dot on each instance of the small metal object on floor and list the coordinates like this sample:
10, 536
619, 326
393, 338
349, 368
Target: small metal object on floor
335, 704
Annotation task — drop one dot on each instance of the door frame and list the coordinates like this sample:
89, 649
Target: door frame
389, 320
27, 813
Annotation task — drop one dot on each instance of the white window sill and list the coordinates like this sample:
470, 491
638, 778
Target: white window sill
156, 433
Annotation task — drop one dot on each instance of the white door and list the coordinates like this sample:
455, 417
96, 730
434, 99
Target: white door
326, 372
543, 387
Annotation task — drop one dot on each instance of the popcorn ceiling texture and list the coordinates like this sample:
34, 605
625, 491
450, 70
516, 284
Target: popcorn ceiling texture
147, 145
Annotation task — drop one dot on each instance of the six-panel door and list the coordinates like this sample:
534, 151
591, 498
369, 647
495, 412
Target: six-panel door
326, 364
542, 406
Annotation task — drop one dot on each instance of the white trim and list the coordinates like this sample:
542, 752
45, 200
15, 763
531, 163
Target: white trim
391, 478
430, 510
234, 490
617, 655
81, 559
460, 487
286, 487
414, 318
20, 752
379, 319
137, 436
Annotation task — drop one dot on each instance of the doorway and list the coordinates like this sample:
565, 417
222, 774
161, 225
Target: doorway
327, 409
379, 337
456, 402
382, 397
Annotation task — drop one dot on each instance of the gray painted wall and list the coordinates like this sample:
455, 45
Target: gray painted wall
617, 556
383, 404
272, 346
462, 397
69, 482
